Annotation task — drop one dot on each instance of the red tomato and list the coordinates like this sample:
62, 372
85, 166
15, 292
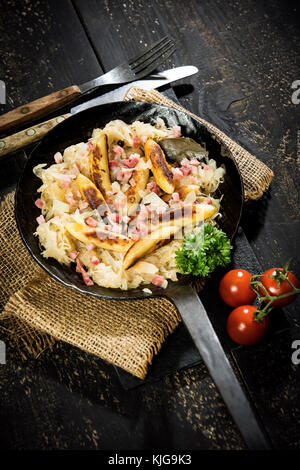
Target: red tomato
284, 288
242, 326
234, 288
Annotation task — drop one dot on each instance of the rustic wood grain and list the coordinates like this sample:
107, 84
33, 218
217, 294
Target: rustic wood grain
247, 57
247, 54
44, 48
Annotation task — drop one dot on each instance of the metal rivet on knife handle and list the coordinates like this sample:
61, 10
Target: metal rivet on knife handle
38, 108
28, 136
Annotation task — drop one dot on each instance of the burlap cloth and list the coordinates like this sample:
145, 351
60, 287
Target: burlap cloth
37, 310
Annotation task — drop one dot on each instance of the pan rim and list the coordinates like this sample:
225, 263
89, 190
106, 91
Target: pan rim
131, 294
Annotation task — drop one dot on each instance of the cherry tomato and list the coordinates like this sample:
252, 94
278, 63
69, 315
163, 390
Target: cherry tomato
234, 288
284, 288
242, 326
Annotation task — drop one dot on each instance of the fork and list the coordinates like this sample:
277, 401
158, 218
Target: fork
134, 69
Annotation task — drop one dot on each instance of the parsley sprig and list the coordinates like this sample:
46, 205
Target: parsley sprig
203, 251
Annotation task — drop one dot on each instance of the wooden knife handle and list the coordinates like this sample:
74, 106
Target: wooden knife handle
24, 138
38, 108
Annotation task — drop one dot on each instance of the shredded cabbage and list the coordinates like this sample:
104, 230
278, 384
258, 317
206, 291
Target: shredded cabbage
62, 203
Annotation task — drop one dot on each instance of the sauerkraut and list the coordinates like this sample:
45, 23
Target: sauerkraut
62, 202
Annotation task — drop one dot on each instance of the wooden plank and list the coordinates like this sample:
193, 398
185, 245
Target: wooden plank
246, 55
43, 49
68, 399
245, 52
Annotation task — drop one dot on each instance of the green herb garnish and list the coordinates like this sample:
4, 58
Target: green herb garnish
203, 251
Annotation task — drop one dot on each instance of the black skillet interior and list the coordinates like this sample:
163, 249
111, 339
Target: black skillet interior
78, 128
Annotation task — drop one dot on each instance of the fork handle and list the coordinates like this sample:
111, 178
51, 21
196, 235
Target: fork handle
38, 108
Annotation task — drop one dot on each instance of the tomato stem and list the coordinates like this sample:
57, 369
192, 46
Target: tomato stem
266, 300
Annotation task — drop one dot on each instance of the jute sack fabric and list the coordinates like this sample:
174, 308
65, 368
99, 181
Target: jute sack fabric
37, 310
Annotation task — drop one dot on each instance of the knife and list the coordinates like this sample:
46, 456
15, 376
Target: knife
30, 135
161, 79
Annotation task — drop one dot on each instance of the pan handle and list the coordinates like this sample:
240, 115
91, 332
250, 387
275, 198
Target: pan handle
204, 336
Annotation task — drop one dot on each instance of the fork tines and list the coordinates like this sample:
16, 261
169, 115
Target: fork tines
153, 56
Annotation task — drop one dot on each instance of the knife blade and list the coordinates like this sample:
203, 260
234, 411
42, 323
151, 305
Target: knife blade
161, 79
30, 135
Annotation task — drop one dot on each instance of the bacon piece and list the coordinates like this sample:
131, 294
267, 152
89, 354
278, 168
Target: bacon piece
39, 203
206, 168
194, 162
177, 173
90, 146
153, 187
91, 222
66, 181
76, 168
186, 170
120, 176
124, 175
40, 220
208, 200
73, 254
113, 163
185, 162
117, 150
58, 157
127, 171
94, 260
80, 269
158, 280
130, 162
136, 142
90, 247
70, 199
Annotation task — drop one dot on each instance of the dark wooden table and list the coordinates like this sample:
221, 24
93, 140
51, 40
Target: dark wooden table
247, 53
